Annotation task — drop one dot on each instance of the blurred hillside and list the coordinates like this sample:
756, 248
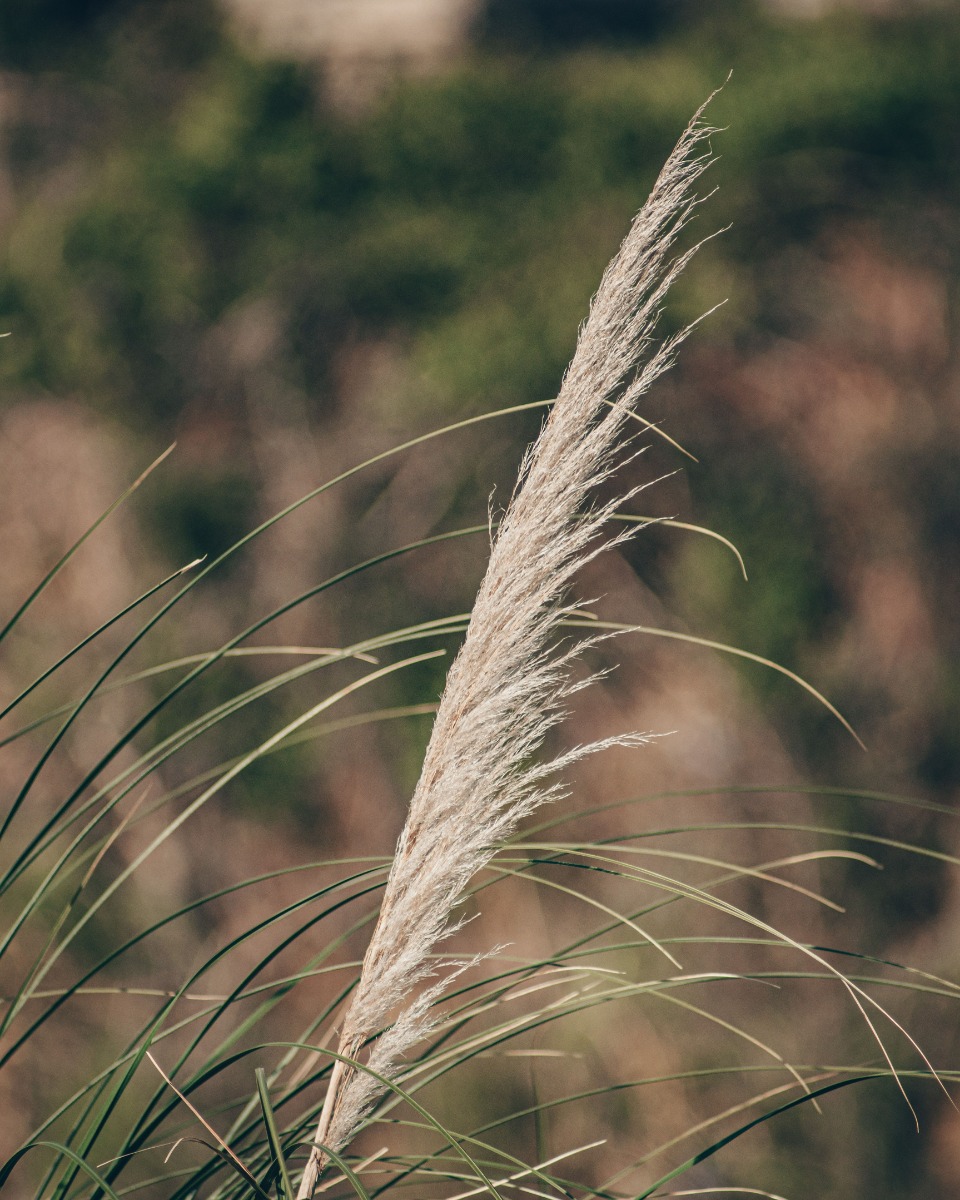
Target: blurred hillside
202, 243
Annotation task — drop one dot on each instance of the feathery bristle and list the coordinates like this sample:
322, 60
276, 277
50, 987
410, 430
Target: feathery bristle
508, 686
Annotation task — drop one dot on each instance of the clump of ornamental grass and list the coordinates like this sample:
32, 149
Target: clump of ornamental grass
412, 1012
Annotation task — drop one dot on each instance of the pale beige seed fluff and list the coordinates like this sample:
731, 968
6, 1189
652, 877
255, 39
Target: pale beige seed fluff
507, 687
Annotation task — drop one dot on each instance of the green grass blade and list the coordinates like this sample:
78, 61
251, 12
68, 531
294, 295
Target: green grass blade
737, 652
709, 1152
84, 642
284, 1189
80, 1164
62, 562
348, 1174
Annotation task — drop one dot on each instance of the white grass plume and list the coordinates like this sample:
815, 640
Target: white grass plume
507, 687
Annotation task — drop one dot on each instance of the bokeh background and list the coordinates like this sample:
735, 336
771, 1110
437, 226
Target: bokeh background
290, 235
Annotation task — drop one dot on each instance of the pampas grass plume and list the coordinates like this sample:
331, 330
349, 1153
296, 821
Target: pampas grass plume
509, 684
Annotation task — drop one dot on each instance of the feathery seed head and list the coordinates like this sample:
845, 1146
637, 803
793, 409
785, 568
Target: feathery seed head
508, 686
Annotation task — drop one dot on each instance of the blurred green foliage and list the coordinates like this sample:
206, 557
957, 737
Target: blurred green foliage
164, 178
469, 213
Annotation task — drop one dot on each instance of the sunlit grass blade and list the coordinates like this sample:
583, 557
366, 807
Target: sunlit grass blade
454, 1140
235, 548
197, 671
140, 770
343, 1167
673, 523
703, 1155
26, 987
224, 1148
92, 637
279, 1166
65, 558
79, 1162
196, 804
91, 1124
737, 652
721, 791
